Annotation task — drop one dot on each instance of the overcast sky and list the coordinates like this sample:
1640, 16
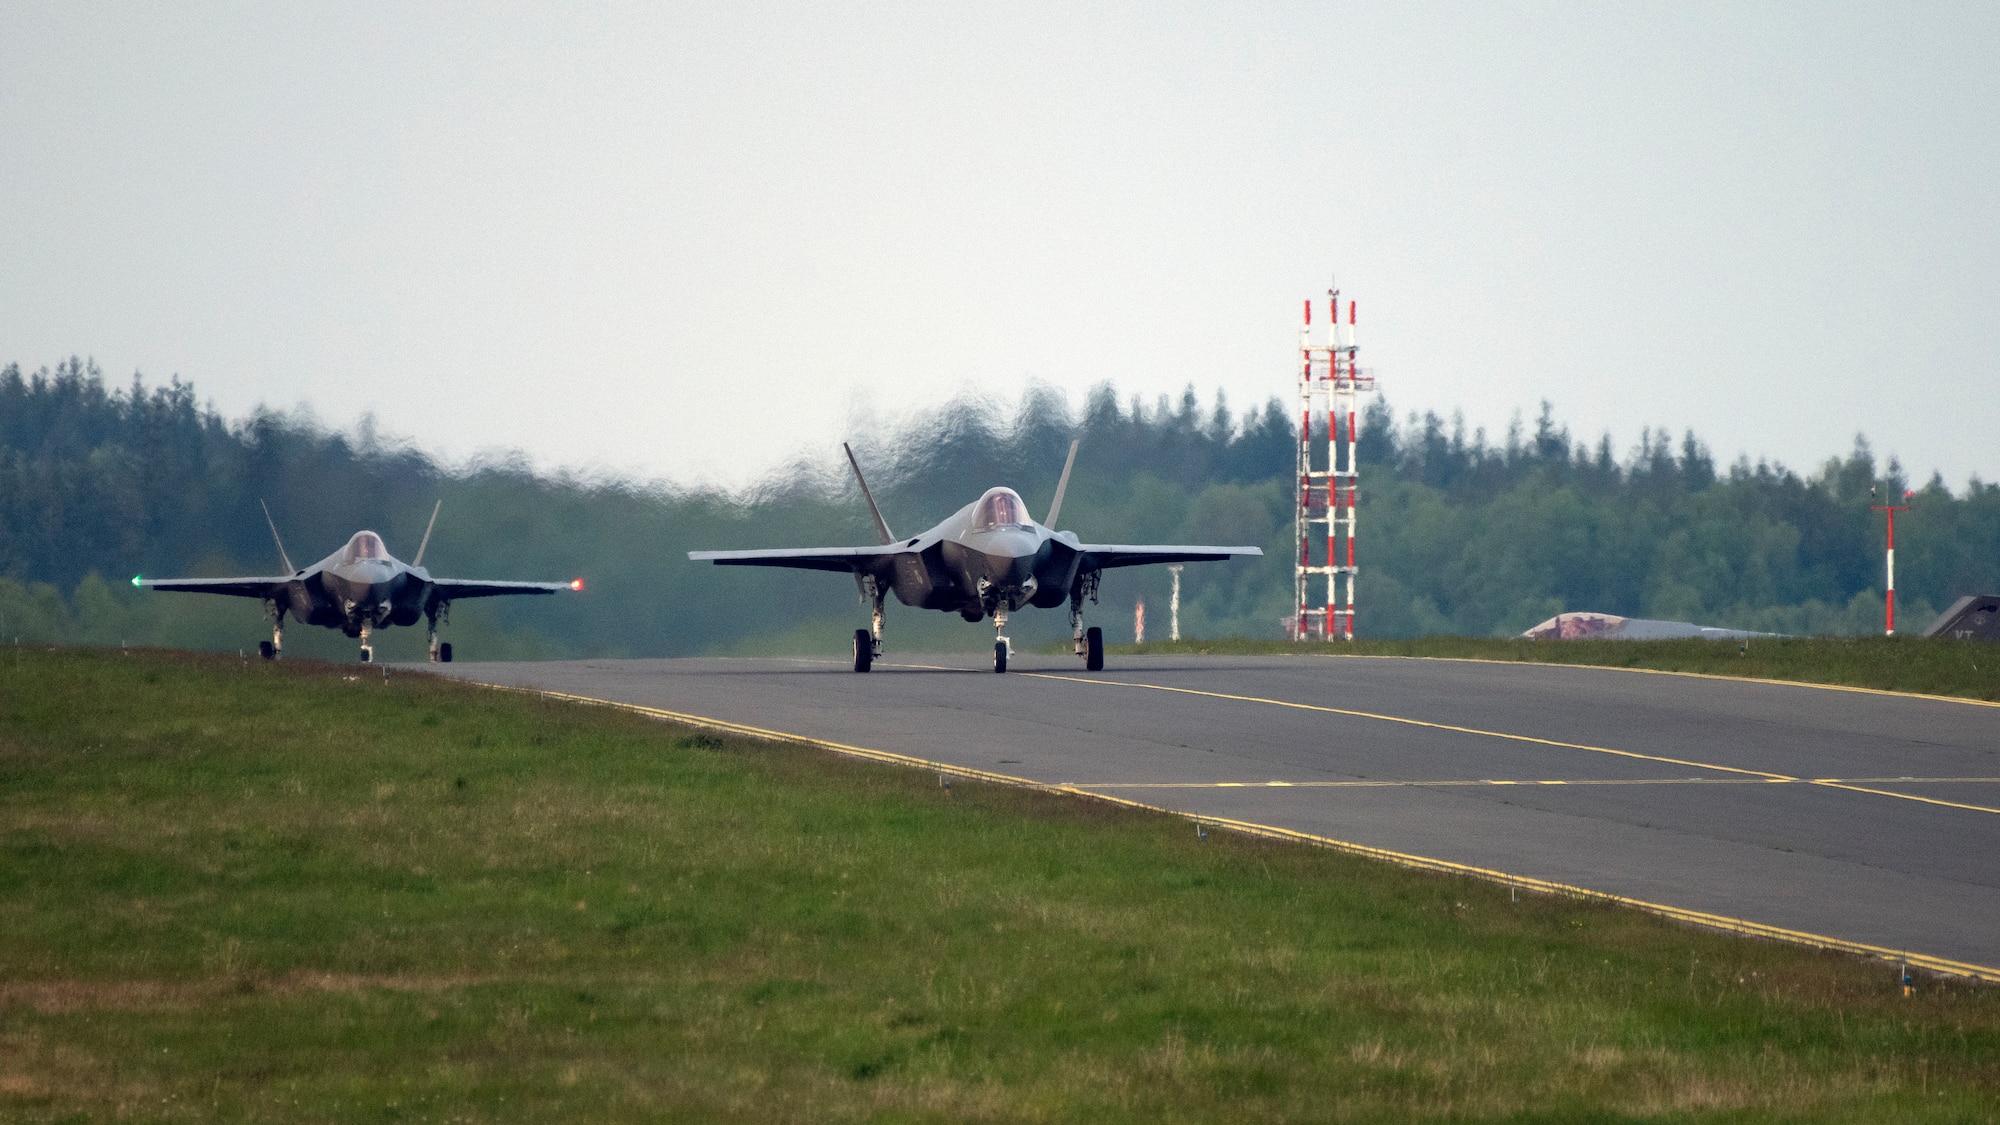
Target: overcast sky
694, 241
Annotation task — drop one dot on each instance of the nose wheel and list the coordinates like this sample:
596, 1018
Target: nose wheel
367, 650
1001, 645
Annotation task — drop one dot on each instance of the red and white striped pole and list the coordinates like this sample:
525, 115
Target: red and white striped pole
1889, 594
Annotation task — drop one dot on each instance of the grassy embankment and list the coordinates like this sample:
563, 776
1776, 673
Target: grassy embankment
1931, 667
296, 892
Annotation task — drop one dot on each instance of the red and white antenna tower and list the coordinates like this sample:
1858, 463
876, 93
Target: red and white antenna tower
1329, 383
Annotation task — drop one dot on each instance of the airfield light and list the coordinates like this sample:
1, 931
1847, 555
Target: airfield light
576, 583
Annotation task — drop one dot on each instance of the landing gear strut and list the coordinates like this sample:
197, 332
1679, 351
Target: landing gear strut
367, 650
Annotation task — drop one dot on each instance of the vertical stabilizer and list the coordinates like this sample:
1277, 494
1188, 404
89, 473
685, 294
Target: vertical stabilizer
881, 525
282, 557
1062, 486
419, 560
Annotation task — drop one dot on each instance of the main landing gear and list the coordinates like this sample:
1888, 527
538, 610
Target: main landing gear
868, 642
440, 650
275, 647
1089, 642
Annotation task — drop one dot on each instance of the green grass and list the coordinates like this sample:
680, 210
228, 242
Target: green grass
296, 892
1929, 666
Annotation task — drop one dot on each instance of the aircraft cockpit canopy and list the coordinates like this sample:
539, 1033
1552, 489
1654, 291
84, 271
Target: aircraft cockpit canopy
1000, 507
364, 545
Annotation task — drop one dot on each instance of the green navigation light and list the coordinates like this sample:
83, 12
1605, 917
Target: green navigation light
135, 580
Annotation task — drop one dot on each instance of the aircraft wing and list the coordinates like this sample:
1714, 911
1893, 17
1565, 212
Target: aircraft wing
236, 587
842, 560
1104, 556
452, 589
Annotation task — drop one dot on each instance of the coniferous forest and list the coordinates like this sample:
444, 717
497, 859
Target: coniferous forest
1464, 533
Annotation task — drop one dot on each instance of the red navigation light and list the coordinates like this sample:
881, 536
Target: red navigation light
576, 583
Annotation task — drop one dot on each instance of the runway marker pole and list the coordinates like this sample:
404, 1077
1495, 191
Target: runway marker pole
1889, 594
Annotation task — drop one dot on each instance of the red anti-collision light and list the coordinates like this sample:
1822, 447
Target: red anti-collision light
576, 583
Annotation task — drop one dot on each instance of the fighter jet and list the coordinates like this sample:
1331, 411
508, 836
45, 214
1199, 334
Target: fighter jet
359, 588
987, 559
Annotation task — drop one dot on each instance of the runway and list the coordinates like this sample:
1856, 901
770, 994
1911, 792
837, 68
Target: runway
1863, 817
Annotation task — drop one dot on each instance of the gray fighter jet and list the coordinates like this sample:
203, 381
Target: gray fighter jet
356, 589
987, 559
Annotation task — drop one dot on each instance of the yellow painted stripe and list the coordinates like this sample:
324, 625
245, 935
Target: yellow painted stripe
1665, 672
1365, 783
1402, 859
1379, 717
1905, 796
1764, 774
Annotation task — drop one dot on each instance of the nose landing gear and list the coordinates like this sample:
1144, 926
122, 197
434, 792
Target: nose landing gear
367, 650
1001, 645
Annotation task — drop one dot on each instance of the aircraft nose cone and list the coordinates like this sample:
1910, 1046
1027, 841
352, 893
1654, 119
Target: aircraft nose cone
1011, 556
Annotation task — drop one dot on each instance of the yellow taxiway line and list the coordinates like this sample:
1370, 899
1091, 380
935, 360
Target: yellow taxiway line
1664, 672
1828, 783
1371, 783
1401, 859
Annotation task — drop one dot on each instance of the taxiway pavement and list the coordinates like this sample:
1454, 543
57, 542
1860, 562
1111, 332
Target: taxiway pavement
1866, 817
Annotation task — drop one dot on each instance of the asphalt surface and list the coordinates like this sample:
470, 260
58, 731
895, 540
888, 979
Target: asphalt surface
1866, 817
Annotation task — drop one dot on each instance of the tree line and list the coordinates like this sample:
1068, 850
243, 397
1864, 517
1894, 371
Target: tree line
1461, 532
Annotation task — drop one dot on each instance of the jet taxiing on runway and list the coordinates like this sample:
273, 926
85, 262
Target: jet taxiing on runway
986, 560
356, 589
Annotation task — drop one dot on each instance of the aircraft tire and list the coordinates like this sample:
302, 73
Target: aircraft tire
864, 650
367, 654
999, 656
267, 650
444, 652
1093, 649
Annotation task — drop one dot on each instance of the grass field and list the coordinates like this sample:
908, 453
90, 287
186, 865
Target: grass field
1967, 669
297, 892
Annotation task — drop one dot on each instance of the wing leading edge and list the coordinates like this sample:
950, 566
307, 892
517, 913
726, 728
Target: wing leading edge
452, 589
841, 560
235, 587
1105, 556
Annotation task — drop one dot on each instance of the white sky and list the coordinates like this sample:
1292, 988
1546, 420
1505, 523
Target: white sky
693, 241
